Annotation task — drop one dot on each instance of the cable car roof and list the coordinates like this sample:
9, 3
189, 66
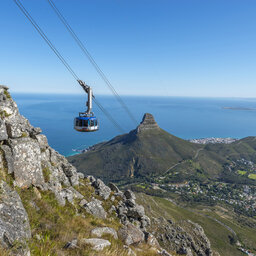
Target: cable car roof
86, 118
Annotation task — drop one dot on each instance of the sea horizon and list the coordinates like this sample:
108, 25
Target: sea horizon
184, 117
130, 95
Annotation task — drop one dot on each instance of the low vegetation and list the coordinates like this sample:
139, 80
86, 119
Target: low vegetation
53, 226
216, 221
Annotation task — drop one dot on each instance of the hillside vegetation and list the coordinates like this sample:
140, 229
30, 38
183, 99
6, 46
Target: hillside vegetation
149, 152
220, 224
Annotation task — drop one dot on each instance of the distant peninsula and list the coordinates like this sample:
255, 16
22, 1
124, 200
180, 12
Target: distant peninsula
239, 108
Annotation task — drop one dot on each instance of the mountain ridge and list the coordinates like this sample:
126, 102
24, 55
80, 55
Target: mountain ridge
148, 151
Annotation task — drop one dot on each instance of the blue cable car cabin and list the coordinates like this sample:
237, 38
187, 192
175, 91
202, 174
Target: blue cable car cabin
85, 123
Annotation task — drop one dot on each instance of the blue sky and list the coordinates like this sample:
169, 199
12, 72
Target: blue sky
145, 47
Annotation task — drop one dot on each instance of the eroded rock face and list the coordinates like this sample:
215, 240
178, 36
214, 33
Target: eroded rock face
25, 154
188, 239
130, 234
28, 156
99, 232
26, 162
14, 222
8, 157
95, 208
129, 211
148, 123
3, 131
96, 243
101, 189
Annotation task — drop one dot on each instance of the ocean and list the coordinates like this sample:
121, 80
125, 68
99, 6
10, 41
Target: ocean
185, 117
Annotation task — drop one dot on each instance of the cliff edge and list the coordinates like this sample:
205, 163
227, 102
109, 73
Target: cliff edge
48, 208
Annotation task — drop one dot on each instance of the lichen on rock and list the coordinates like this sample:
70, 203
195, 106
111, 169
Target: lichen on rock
43, 174
14, 222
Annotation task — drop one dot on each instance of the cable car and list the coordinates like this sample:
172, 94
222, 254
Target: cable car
86, 121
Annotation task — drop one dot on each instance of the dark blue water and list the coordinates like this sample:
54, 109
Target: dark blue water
187, 118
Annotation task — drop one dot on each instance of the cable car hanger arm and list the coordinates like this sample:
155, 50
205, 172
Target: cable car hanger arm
88, 90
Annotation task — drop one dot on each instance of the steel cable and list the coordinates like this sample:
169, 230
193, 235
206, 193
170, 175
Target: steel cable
91, 59
57, 53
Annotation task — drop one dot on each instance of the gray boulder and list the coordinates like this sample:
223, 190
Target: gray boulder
130, 234
163, 252
96, 243
17, 126
26, 162
136, 212
144, 221
83, 203
113, 187
101, 189
69, 194
8, 157
3, 132
80, 175
130, 203
91, 179
14, 223
129, 194
95, 208
71, 173
99, 232
71, 245
42, 141
151, 240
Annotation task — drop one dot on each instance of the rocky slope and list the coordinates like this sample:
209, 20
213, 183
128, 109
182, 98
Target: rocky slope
37, 186
48, 208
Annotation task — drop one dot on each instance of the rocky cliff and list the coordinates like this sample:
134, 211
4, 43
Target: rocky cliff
33, 176
48, 208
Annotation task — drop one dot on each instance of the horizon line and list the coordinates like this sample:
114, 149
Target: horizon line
137, 95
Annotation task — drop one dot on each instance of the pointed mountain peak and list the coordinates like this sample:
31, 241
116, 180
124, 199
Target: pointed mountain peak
148, 123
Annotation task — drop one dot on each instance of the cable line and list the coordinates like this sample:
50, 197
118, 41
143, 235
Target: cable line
108, 116
57, 53
91, 59
46, 39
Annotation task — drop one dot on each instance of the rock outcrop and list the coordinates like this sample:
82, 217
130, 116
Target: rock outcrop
186, 239
99, 232
27, 154
131, 234
28, 163
148, 123
96, 243
14, 222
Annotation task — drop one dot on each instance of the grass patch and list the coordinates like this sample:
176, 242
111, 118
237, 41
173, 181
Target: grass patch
7, 94
8, 178
217, 233
52, 225
252, 176
4, 252
46, 173
3, 114
241, 172
24, 135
